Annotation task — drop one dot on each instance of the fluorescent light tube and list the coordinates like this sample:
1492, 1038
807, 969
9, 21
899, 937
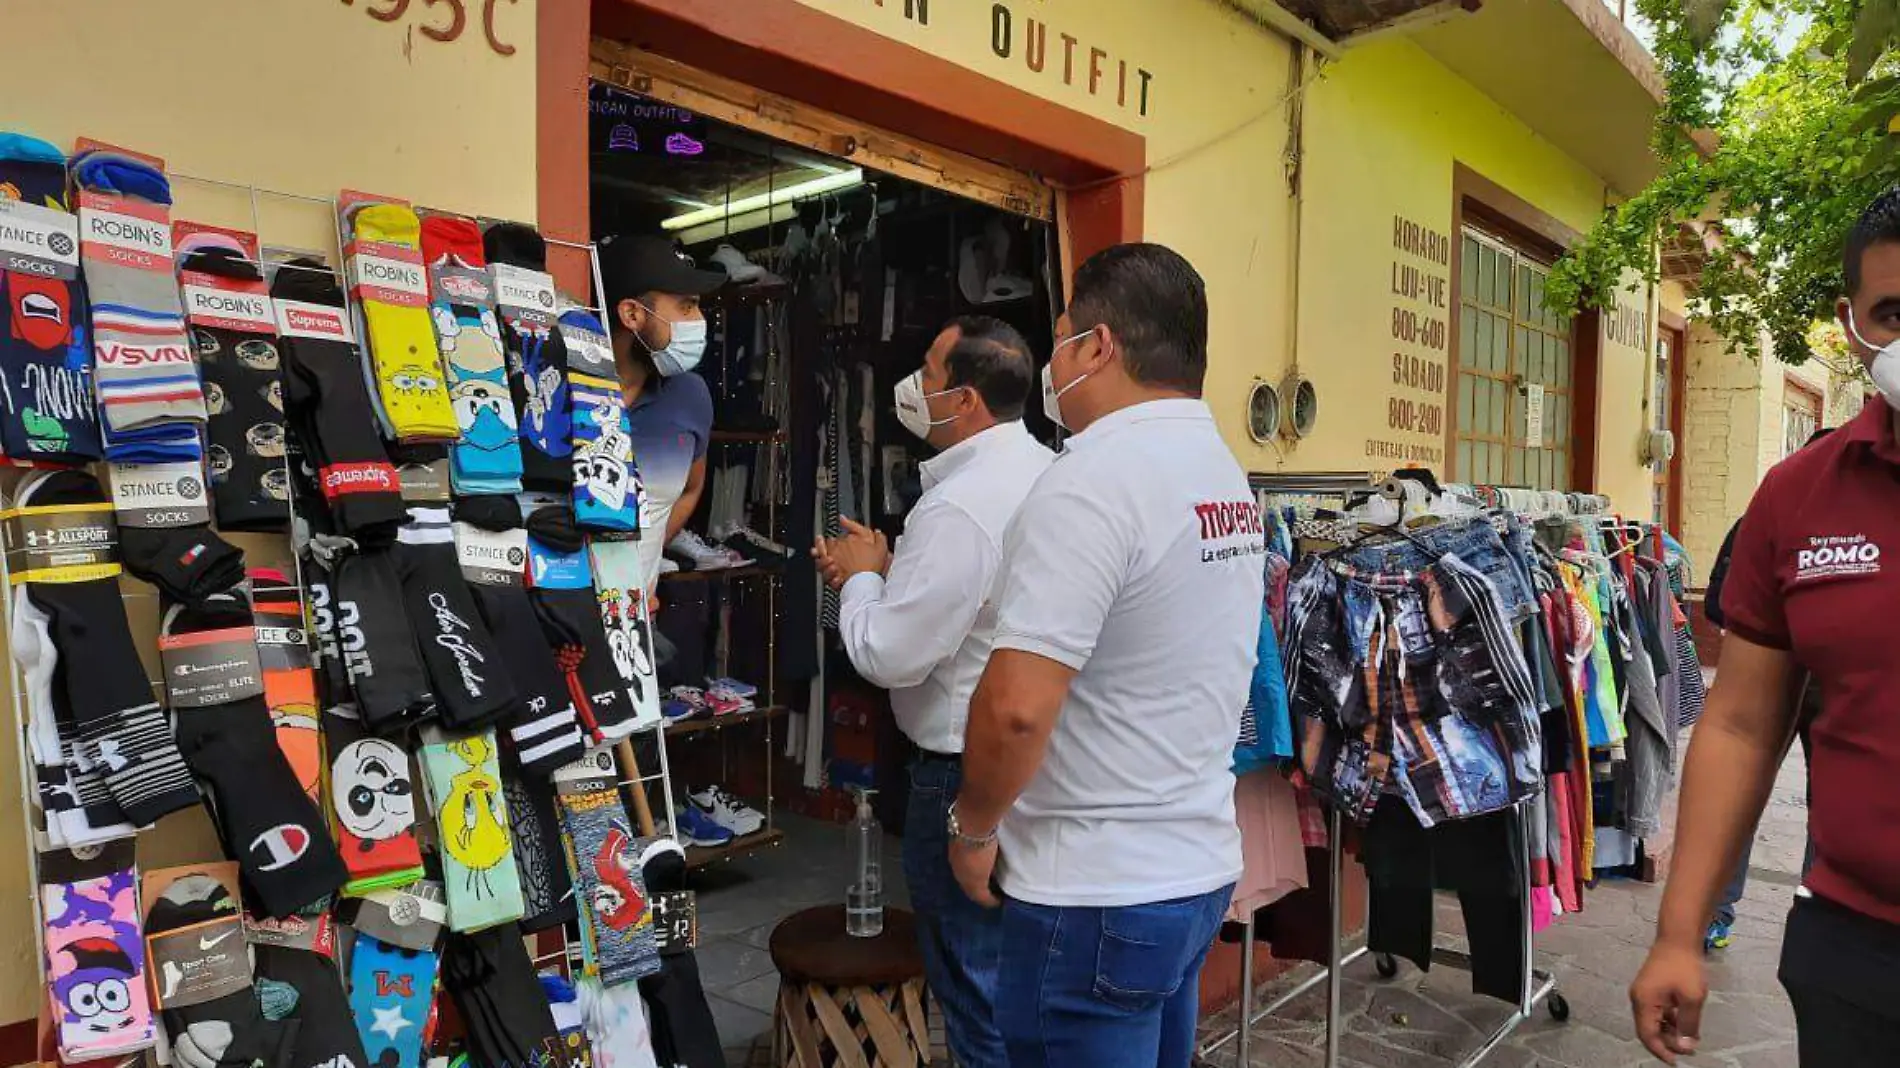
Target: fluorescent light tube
830, 183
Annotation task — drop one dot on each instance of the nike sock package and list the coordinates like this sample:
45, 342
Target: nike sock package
214, 1012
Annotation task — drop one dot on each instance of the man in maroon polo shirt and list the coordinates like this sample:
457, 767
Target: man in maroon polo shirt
1814, 581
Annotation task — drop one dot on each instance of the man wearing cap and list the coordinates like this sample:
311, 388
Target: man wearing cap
653, 291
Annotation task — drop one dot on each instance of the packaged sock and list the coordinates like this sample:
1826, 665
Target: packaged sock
208, 1029
326, 1032
609, 887
48, 411
535, 353
379, 647
327, 404
466, 672
267, 822
547, 898
486, 458
234, 332
619, 582
143, 368
491, 979
462, 775
95, 954
290, 680
116, 723
372, 804
392, 991
608, 493
392, 292
684, 1031
165, 535
561, 589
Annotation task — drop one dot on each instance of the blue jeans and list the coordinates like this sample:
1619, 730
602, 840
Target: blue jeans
1105, 987
962, 941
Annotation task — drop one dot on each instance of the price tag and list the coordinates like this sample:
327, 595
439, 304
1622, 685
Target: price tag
212, 667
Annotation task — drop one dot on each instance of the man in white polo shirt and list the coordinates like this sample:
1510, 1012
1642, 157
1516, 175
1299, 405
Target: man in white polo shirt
1100, 738
923, 631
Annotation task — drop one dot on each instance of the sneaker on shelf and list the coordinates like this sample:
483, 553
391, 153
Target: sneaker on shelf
728, 811
688, 547
696, 828
748, 542
742, 270
692, 698
669, 566
732, 686
725, 704
674, 710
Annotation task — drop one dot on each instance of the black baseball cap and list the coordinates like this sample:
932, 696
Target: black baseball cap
632, 264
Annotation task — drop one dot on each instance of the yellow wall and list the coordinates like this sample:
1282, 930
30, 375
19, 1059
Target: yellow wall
300, 96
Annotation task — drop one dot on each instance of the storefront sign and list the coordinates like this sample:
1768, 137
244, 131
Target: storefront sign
1075, 59
1420, 336
447, 26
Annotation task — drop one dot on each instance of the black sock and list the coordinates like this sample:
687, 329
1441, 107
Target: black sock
570, 618
328, 403
48, 411
244, 399
187, 563
537, 368
326, 1031
466, 669
268, 824
99, 674
547, 890
684, 1032
377, 645
226, 1032
491, 977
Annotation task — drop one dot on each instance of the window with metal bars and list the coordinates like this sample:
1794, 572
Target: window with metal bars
1515, 365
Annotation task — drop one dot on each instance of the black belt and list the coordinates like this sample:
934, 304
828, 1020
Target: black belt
929, 756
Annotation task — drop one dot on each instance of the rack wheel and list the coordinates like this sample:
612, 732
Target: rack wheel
1387, 964
1559, 1008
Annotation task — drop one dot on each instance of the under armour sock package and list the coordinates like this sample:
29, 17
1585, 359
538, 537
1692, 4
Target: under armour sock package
215, 1013
486, 458
392, 293
234, 331
94, 953
47, 408
372, 804
536, 355
143, 368
466, 672
619, 579
214, 686
607, 488
328, 405
462, 777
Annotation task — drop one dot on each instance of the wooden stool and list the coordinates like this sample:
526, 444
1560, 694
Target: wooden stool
849, 1002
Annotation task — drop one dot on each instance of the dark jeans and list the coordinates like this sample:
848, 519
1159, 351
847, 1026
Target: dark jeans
1105, 987
1838, 967
961, 940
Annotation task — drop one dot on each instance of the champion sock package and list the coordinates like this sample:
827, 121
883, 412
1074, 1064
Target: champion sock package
619, 582
326, 1032
561, 588
491, 979
50, 413
545, 728
290, 683
486, 457
372, 805
404, 360
233, 1031
608, 883
537, 365
101, 678
466, 672
328, 405
143, 369
392, 990
244, 400
607, 486
684, 1032
95, 955
473, 839
546, 888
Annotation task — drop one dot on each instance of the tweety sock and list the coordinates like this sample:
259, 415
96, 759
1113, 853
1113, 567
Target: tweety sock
462, 775
406, 363
607, 882
372, 805
487, 456
607, 486
391, 992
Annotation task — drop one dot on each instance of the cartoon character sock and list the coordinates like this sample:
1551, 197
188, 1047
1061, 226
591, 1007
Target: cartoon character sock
117, 724
619, 581
547, 891
486, 458
47, 409
326, 1032
95, 954
266, 821
233, 1031
561, 588
607, 881
244, 396
462, 775
491, 978
379, 648
290, 683
392, 990
470, 681
404, 358
143, 368
536, 357
607, 489
328, 405
372, 805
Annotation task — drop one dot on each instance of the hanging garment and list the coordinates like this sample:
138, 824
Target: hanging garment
1273, 857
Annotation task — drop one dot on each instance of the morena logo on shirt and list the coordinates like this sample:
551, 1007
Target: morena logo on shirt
1837, 556
1226, 519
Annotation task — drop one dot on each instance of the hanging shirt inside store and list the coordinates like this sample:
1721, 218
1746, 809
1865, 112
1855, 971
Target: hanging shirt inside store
670, 424
1137, 562
925, 631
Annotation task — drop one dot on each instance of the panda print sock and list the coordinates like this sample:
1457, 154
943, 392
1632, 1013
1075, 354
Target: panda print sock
372, 804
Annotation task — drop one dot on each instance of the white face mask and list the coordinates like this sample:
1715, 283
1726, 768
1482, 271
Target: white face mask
1051, 396
913, 404
1885, 367
683, 353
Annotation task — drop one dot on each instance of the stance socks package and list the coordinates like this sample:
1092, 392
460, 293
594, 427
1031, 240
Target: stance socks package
684, 1032
372, 805
150, 400
47, 409
95, 956
471, 684
617, 925
537, 358
392, 293
607, 489
165, 533
463, 779
486, 458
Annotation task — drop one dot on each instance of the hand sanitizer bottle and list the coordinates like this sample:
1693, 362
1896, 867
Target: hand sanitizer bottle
864, 901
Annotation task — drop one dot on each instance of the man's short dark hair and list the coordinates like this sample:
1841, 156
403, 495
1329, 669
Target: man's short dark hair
1156, 304
1879, 223
991, 357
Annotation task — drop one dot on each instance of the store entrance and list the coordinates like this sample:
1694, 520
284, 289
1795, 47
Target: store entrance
842, 274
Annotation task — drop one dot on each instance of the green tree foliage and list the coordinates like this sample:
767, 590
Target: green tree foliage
1800, 96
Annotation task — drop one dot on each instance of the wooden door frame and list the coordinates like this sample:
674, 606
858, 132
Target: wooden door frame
1677, 328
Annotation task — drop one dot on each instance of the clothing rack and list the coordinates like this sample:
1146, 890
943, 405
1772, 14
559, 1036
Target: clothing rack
1539, 986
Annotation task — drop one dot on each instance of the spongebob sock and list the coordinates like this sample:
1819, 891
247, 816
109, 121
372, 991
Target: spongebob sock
607, 486
487, 456
605, 863
406, 364
391, 992
461, 775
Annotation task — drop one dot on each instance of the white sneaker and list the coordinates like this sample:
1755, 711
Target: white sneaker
728, 811
668, 566
741, 270
702, 555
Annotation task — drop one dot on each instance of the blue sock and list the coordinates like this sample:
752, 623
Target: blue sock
391, 990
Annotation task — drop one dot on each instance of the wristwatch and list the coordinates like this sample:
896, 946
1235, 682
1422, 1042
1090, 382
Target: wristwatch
973, 841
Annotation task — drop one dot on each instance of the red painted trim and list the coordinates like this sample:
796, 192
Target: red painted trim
560, 136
